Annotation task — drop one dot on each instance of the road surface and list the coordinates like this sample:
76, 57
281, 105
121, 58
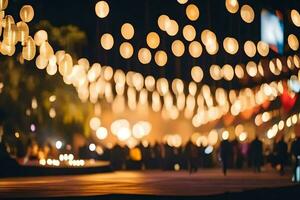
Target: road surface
205, 182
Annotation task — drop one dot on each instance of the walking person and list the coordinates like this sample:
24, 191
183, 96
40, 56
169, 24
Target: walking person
256, 154
296, 153
192, 156
281, 152
225, 154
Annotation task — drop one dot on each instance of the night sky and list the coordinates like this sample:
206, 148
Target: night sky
143, 14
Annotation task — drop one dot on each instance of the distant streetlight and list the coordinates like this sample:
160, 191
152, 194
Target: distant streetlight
58, 144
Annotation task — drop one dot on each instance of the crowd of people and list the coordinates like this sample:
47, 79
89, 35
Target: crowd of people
230, 154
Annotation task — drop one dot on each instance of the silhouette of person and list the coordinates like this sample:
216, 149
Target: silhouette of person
192, 157
256, 154
281, 154
9, 166
296, 153
225, 153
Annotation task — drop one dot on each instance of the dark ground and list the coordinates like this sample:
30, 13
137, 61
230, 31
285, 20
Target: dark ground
206, 184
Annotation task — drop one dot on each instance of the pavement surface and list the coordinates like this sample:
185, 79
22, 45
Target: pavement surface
204, 182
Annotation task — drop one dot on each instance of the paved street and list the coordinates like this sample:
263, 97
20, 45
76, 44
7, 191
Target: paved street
205, 182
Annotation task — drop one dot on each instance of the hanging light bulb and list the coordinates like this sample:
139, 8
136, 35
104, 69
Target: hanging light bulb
3, 4
65, 65
232, 6
144, 56
197, 74
41, 62
172, 28
127, 31
161, 58
195, 49
23, 31
189, 33
230, 45
293, 42
40, 37
46, 50
247, 13
263, 48
102, 9
162, 21
153, 40
126, 50
182, 1
107, 41
250, 48
178, 48
29, 49
192, 12
295, 16
26, 13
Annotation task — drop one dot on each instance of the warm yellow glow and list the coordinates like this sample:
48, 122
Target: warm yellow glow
182, 1
173, 140
102, 9
243, 136
101, 133
189, 33
295, 16
192, 12
263, 48
52, 113
192, 88
232, 6
107, 41
238, 129
40, 37
17, 134
23, 31
51, 69
216, 72
141, 129
153, 40
95, 123
250, 48
65, 65
46, 50
127, 31
3, 4
123, 133
144, 56
195, 49
228, 72
41, 62
118, 124
293, 42
231, 45
161, 58
26, 13
247, 13
126, 50
29, 49
163, 21
225, 135
251, 69
197, 74
52, 98
172, 28
150, 83
213, 137
239, 71
178, 48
